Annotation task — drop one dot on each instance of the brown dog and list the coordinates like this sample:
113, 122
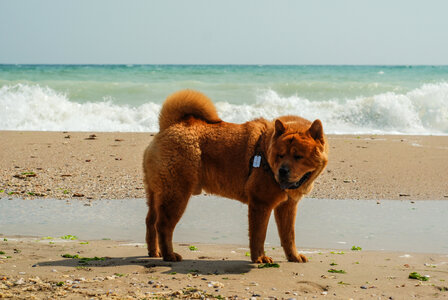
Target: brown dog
268, 165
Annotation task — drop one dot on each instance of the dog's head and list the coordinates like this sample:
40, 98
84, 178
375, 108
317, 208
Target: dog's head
297, 152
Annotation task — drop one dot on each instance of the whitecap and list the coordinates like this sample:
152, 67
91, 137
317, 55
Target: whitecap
423, 110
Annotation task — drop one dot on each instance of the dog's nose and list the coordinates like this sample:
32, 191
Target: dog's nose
283, 172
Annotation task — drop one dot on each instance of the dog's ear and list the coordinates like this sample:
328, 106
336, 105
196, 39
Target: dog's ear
280, 128
316, 131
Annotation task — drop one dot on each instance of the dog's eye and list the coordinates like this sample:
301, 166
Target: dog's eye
298, 157
280, 156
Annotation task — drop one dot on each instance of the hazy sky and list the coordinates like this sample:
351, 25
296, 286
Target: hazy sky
224, 32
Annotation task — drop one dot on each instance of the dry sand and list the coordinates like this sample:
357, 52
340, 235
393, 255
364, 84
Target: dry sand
108, 165
36, 268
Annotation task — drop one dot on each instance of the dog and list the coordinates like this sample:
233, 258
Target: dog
268, 165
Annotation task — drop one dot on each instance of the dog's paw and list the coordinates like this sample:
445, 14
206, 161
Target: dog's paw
172, 257
263, 259
300, 258
154, 253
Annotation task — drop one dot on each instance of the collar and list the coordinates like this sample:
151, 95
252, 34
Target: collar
259, 155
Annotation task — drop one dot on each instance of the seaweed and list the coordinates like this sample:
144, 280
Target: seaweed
336, 271
417, 276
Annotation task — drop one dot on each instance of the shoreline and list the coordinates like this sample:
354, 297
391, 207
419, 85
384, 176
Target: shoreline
107, 165
414, 226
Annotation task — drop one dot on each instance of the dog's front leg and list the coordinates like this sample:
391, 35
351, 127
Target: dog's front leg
285, 217
259, 214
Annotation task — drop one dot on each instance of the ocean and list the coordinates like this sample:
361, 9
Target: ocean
127, 98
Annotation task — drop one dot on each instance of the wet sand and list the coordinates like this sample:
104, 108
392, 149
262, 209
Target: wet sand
321, 223
108, 166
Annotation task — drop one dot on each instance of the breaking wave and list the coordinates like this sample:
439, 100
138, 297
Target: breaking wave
421, 111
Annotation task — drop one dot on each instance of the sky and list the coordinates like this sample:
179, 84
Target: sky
340, 32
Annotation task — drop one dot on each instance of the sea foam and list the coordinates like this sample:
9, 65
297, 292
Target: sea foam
26, 107
423, 110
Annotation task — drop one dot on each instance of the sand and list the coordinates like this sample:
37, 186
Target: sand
36, 268
108, 166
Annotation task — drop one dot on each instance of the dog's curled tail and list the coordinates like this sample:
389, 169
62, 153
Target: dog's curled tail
187, 103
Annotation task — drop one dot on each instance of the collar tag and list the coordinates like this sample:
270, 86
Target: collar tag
257, 161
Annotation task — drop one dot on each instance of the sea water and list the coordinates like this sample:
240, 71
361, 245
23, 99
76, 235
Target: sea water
348, 99
418, 226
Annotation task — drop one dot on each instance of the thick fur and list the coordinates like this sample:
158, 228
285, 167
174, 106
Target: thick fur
195, 150
187, 103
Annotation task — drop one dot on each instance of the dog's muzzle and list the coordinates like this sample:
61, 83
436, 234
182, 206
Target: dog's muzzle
297, 184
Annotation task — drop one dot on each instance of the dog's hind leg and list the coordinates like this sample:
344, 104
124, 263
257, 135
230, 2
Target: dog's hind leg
172, 205
151, 230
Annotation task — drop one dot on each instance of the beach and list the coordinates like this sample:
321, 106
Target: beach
88, 167
108, 165
83, 86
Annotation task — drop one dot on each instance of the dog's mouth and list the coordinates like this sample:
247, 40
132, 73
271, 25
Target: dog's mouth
297, 184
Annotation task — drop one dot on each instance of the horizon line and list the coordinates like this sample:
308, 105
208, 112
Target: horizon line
201, 64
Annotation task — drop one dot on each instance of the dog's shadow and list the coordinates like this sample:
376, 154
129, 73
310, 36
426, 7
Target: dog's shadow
187, 266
